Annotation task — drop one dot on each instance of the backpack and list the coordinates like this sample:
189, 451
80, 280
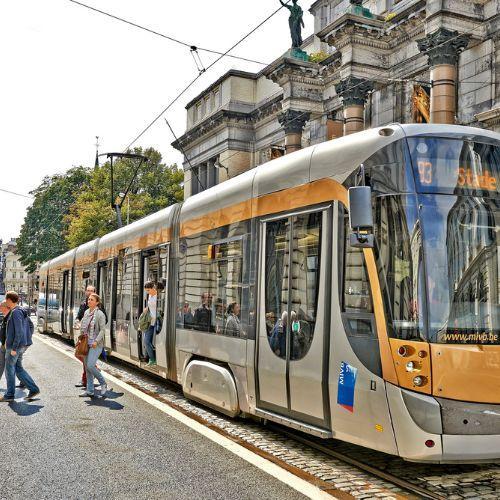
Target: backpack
29, 328
145, 321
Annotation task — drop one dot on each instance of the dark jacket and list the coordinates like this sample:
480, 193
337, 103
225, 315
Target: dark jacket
3, 329
81, 310
16, 330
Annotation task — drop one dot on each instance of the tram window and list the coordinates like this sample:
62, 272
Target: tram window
388, 171
357, 293
277, 290
210, 282
292, 282
137, 302
124, 287
399, 261
305, 266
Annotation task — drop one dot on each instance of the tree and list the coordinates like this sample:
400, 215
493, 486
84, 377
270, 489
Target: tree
43, 232
155, 187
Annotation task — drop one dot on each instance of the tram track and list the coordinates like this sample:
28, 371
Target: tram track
386, 476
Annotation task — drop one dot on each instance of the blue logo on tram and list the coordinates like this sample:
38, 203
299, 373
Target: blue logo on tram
346, 385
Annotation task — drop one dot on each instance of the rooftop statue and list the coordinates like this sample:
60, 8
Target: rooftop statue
296, 22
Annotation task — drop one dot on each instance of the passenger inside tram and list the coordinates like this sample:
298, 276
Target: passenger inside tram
220, 317
185, 317
233, 324
203, 314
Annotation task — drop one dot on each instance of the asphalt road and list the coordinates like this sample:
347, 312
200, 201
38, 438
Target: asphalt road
63, 446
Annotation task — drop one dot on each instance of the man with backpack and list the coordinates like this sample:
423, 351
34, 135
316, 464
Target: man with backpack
18, 337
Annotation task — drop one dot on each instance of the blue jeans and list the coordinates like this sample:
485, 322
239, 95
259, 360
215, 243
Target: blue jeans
148, 343
13, 368
92, 371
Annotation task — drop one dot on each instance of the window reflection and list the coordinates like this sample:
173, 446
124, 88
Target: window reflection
292, 282
399, 259
462, 268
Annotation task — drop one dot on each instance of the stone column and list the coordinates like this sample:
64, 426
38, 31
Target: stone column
293, 123
442, 48
353, 92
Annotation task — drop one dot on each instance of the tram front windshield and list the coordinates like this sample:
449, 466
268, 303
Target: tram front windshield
458, 184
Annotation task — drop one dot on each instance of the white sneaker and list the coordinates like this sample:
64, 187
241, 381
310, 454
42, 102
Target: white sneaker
104, 389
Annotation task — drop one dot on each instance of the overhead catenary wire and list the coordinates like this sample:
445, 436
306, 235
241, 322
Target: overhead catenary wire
16, 194
193, 171
173, 101
157, 33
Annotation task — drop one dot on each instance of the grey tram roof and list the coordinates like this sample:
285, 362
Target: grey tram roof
335, 159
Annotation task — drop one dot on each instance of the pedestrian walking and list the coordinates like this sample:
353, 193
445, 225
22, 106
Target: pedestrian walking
93, 326
81, 312
17, 339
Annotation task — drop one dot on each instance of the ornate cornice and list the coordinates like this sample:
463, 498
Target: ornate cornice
490, 117
443, 46
288, 68
353, 90
349, 28
292, 121
270, 108
212, 122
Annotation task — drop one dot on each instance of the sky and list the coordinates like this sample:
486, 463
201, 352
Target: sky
70, 74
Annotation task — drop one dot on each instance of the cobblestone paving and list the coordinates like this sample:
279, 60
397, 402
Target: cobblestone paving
452, 482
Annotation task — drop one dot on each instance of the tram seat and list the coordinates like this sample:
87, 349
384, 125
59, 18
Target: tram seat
212, 385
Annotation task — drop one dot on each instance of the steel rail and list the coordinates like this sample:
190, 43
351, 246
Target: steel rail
386, 476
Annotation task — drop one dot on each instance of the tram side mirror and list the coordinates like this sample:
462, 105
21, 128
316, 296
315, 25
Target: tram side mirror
361, 217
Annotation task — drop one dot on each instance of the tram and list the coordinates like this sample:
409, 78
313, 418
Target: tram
362, 277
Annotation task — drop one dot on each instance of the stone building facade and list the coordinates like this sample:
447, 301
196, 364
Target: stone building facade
376, 62
15, 275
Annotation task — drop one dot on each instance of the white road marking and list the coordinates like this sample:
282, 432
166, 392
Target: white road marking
261, 463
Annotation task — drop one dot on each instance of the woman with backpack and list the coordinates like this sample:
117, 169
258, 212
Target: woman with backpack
93, 326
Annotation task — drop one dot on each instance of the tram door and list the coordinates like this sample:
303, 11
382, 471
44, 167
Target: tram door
66, 298
155, 268
105, 284
293, 332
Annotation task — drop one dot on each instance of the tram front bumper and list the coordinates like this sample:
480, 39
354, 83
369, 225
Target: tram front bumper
471, 449
429, 429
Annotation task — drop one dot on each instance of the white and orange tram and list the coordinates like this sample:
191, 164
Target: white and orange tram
378, 325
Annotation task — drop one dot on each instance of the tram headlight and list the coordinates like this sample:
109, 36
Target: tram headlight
419, 381
410, 366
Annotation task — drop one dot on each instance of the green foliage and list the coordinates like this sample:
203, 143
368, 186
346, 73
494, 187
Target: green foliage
317, 57
44, 228
155, 187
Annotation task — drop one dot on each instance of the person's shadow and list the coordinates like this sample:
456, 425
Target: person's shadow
24, 408
107, 402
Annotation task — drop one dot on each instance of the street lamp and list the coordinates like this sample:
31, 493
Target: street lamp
117, 206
